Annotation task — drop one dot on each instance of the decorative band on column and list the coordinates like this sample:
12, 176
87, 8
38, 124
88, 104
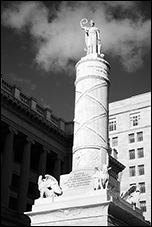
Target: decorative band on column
92, 59
105, 147
92, 76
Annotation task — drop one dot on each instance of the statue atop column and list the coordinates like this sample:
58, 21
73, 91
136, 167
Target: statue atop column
92, 37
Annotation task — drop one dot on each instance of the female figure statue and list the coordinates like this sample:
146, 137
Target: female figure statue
92, 37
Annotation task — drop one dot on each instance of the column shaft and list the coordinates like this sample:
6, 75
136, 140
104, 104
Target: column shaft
24, 177
6, 168
42, 161
57, 168
90, 145
41, 167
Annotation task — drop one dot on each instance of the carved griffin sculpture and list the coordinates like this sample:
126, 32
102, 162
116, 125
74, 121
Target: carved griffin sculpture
101, 177
132, 195
48, 186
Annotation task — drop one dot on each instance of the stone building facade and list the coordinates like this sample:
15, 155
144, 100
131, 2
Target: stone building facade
130, 139
33, 142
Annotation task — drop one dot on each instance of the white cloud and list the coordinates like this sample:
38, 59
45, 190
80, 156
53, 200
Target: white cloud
124, 32
14, 77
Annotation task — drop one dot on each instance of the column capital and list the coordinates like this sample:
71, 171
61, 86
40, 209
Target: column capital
45, 149
13, 130
60, 158
30, 140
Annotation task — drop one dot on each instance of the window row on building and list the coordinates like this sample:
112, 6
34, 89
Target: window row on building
135, 137
134, 120
140, 170
139, 153
131, 138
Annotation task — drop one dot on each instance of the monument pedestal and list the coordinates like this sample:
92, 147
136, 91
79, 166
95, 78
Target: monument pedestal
81, 204
88, 209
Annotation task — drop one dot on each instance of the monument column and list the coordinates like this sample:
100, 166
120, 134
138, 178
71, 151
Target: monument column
90, 146
24, 175
6, 168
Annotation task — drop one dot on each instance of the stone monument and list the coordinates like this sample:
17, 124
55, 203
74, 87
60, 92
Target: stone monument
90, 194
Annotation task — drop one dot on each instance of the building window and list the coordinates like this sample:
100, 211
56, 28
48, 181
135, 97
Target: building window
112, 124
12, 203
131, 138
31, 187
132, 172
115, 141
143, 206
134, 119
142, 187
15, 180
140, 152
141, 170
17, 155
139, 136
132, 154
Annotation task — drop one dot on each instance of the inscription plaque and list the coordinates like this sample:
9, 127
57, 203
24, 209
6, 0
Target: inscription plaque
77, 179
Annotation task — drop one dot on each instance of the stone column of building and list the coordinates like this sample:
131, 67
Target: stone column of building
42, 161
24, 175
90, 145
65, 165
57, 167
41, 166
6, 168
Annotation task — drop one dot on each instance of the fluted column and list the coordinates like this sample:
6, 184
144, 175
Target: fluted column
57, 167
6, 168
24, 176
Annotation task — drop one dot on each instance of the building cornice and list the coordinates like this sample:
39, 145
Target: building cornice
23, 108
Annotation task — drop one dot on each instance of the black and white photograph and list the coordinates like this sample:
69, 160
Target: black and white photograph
76, 113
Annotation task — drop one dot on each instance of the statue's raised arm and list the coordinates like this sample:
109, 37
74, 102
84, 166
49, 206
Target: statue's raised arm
92, 37
83, 22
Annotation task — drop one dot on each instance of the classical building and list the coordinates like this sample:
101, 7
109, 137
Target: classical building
34, 141
130, 138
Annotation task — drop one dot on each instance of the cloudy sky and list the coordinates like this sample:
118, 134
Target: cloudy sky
41, 41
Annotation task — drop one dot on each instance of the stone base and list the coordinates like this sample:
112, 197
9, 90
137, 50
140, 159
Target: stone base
90, 209
82, 204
